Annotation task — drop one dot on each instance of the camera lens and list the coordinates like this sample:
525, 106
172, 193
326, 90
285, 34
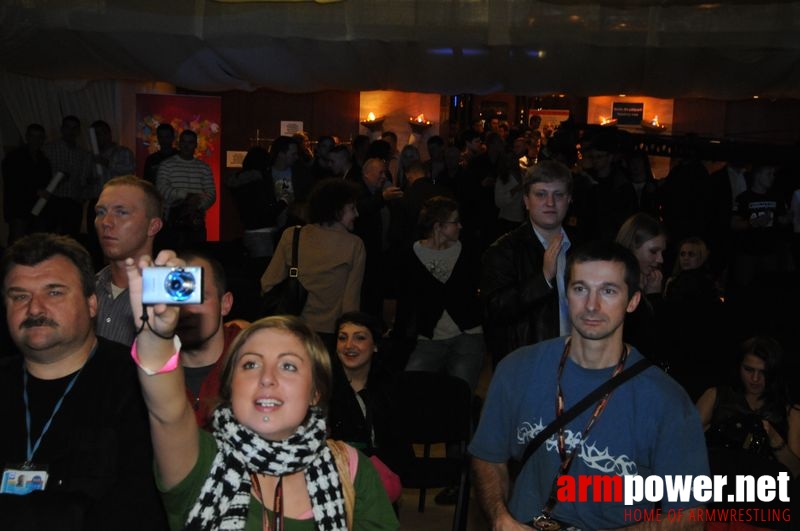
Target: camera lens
179, 284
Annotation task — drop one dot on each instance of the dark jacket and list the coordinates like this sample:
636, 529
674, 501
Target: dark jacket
423, 299
346, 419
369, 223
253, 193
369, 227
23, 176
347, 422
520, 307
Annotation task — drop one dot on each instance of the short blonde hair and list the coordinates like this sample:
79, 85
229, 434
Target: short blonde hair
154, 203
547, 171
700, 244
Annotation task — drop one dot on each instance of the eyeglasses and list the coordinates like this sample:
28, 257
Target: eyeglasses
457, 221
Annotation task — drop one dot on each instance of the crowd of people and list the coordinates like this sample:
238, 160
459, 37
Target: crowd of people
558, 258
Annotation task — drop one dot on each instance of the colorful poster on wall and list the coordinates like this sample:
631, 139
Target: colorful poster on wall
201, 114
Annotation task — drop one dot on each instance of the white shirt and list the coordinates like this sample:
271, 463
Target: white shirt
564, 324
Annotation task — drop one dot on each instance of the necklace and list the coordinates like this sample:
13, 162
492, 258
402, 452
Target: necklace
544, 522
277, 505
32, 447
566, 458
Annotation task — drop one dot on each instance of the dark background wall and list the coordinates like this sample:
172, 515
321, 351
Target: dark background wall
337, 113
244, 113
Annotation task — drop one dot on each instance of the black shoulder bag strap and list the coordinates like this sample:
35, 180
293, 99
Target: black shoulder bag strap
580, 407
293, 269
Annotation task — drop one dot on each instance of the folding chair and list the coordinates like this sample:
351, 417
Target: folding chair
432, 408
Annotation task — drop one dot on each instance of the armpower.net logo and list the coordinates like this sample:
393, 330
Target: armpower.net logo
634, 489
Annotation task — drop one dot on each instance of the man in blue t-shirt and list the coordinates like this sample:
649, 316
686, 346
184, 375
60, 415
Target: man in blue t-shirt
648, 425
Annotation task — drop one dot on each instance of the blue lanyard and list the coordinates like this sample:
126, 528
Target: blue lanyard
32, 449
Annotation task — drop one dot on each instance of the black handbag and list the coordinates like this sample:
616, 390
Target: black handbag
743, 432
288, 297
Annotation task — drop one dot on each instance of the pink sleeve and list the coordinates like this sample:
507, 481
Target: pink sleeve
390, 480
352, 460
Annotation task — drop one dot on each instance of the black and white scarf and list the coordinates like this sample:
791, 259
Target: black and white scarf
225, 497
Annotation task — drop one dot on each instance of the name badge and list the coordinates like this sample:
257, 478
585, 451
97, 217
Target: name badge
545, 523
23, 479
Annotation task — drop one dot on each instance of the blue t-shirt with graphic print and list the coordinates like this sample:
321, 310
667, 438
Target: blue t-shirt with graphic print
649, 427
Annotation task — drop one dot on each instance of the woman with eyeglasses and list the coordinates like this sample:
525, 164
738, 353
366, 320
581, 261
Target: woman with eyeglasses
441, 297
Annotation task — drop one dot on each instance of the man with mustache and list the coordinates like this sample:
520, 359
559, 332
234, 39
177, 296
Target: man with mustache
205, 338
72, 412
646, 426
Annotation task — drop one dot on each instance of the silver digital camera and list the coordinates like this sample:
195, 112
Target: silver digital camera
172, 285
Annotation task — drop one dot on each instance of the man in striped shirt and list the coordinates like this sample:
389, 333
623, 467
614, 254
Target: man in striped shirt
187, 186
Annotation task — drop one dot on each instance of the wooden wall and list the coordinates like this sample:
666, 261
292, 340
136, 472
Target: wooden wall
244, 113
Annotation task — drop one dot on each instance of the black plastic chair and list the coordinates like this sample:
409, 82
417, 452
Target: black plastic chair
434, 408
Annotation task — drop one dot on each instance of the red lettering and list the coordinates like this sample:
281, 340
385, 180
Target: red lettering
701, 515
566, 489
584, 482
608, 488
647, 515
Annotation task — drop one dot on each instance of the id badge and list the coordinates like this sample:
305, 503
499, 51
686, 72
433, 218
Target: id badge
545, 523
23, 479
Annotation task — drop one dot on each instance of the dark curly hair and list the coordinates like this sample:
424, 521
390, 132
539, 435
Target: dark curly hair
35, 248
435, 210
768, 349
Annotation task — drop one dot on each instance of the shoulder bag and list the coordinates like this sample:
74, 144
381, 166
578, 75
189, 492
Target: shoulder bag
545, 522
581, 406
288, 297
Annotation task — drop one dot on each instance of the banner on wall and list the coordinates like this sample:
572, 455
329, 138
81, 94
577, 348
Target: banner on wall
627, 113
201, 114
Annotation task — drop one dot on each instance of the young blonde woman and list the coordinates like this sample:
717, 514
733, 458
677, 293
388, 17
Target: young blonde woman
267, 464
691, 278
644, 236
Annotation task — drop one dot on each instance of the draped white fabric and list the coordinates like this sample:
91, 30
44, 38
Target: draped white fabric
32, 100
724, 49
96, 100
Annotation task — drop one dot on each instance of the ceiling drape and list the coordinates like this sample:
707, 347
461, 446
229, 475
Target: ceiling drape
724, 49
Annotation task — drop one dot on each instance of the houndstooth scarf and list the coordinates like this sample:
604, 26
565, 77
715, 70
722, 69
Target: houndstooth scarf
225, 497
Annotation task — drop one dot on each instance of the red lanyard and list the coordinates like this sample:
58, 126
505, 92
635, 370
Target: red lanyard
567, 458
277, 505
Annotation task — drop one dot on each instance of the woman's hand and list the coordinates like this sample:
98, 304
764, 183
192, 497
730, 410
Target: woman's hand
173, 428
783, 451
775, 439
652, 281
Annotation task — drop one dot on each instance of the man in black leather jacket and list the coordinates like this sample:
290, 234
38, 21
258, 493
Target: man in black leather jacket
522, 276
